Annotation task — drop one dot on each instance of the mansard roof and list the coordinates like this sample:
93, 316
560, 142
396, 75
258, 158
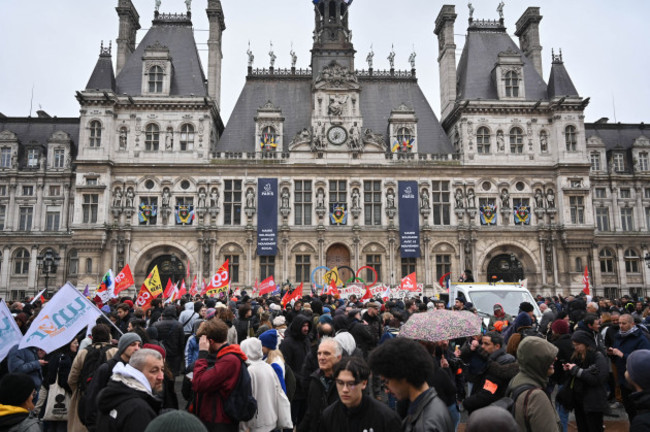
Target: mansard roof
102, 77
483, 44
617, 135
559, 83
38, 130
176, 34
294, 98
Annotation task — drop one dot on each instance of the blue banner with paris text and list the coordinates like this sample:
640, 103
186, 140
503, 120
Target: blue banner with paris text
267, 217
409, 219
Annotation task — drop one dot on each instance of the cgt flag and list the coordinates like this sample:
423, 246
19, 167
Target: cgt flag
219, 282
123, 280
268, 286
194, 289
65, 315
409, 283
151, 288
292, 295
585, 280
10, 334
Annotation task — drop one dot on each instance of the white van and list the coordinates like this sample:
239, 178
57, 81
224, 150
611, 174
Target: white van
485, 295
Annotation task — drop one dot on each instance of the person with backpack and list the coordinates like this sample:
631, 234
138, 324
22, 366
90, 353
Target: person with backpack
533, 409
172, 338
214, 386
84, 366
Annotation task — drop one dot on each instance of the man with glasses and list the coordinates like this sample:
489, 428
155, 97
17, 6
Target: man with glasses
356, 411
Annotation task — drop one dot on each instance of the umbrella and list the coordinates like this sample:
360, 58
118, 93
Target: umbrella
441, 325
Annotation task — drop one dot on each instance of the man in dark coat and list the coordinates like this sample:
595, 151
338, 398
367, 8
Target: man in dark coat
638, 375
172, 337
128, 402
294, 348
360, 332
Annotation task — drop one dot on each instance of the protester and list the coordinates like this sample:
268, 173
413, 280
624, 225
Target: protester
295, 348
638, 376
172, 337
490, 419
189, 316
16, 403
176, 421
58, 370
500, 319
29, 361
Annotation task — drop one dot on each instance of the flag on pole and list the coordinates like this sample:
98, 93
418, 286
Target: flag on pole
181, 291
86, 291
106, 289
386, 295
169, 289
37, 296
585, 280
65, 315
194, 289
367, 295
151, 288
10, 334
409, 283
123, 280
219, 282
292, 295
268, 286
331, 289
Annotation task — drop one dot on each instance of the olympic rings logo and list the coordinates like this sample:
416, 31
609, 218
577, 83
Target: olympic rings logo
330, 275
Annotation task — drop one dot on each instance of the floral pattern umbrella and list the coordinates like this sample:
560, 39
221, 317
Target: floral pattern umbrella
439, 325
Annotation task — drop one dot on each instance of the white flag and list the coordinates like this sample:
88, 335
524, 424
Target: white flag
65, 315
9, 332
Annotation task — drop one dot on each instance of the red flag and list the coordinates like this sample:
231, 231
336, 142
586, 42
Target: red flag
219, 282
367, 295
151, 288
268, 286
181, 292
123, 280
293, 295
194, 289
441, 281
409, 283
585, 280
169, 289
332, 290
187, 276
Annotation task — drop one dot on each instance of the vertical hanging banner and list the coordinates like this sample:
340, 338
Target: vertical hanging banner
409, 219
267, 217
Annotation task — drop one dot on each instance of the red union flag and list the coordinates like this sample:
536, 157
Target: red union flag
585, 280
194, 289
123, 280
409, 283
219, 282
268, 286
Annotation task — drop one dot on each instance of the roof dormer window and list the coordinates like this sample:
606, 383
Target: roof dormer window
157, 70
155, 79
512, 84
508, 75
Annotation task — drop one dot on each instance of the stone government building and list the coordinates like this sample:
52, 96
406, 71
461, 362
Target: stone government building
511, 182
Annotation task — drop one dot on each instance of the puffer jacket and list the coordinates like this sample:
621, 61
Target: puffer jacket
627, 345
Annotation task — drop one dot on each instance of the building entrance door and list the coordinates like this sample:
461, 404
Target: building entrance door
338, 256
169, 267
505, 267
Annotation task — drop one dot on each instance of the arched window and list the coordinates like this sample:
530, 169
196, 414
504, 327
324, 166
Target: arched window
89, 265
73, 263
268, 139
516, 140
579, 267
606, 261
95, 138
405, 139
187, 137
483, 140
155, 79
152, 137
512, 84
570, 137
631, 261
21, 262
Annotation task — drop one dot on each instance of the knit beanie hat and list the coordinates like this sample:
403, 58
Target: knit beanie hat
15, 389
325, 319
560, 327
584, 338
637, 368
210, 313
176, 421
269, 339
126, 340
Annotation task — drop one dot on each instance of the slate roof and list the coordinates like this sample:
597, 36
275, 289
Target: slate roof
617, 135
293, 98
480, 55
559, 83
103, 77
178, 36
30, 130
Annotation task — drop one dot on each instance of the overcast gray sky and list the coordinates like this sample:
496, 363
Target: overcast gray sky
52, 45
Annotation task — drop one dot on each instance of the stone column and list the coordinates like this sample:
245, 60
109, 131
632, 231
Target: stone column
11, 223
39, 210
32, 276
596, 277
616, 212
542, 258
65, 222
620, 262
6, 269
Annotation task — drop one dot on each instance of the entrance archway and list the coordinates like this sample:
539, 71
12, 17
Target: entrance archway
338, 255
505, 267
169, 267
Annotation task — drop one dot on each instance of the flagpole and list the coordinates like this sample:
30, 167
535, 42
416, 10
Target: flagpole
100, 311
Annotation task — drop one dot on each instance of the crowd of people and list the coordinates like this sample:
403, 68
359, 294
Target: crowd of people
328, 364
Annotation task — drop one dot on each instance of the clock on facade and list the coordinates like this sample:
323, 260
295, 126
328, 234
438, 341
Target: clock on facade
337, 135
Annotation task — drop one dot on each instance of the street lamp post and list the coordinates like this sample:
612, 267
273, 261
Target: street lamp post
48, 262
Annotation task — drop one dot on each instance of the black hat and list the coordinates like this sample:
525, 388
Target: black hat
584, 338
15, 389
526, 307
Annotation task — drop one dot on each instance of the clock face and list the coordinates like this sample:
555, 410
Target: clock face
337, 135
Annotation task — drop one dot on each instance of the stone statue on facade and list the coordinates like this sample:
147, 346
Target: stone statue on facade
188, 4
123, 137
505, 199
356, 199
117, 197
500, 9
370, 137
550, 198
294, 58
158, 5
391, 57
424, 200
272, 56
355, 138
539, 199
130, 196
337, 104
285, 198
412, 59
320, 199
302, 137
251, 57
202, 197
501, 144
166, 196
471, 10
169, 139
471, 199
250, 199
370, 57
390, 199
459, 199
214, 198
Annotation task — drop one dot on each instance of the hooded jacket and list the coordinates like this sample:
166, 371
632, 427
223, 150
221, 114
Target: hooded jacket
493, 381
17, 419
535, 356
127, 403
295, 348
627, 345
187, 318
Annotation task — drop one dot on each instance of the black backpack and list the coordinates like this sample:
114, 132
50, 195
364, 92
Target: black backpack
94, 359
240, 404
509, 402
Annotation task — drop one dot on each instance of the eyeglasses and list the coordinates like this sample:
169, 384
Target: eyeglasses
349, 384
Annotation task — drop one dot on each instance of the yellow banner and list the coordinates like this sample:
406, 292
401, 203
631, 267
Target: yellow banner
153, 284
332, 275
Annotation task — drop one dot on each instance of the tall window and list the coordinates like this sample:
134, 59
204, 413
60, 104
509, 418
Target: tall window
53, 220
627, 221
606, 258
404, 139
73, 263
578, 268
303, 268
570, 138
483, 140
59, 158
619, 162
155, 79
5, 157
95, 138
89, 265
443, 265
440, 202
267, 267
148, 211
631, 261
338, 195
32, 158
152, 137
3, 212
90, 205
601, 193
643, 161
602, 218
647, 218
232, 202
372, 202
374, 261
21, 263
408, 266
3, 190
233, 263
516, 140
187, 137
594, 158
302, 201
577, 207
268, 139
28, 190
512, 84
26, 217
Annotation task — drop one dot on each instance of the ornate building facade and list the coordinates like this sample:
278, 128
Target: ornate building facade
511, 182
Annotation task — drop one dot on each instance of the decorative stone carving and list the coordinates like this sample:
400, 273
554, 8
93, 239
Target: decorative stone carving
272, 56
369, 137
251, 57
166, 196
391, 57
539, 199
505, 199
471, 199
130, 196
117, 197
355, 143
336, 76
202, 199
460, 204
302, 137
550, 198
370, 57
337, 104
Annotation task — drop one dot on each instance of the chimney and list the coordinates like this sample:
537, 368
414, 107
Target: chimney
129, 25
528, 33
446, 58
217, 26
